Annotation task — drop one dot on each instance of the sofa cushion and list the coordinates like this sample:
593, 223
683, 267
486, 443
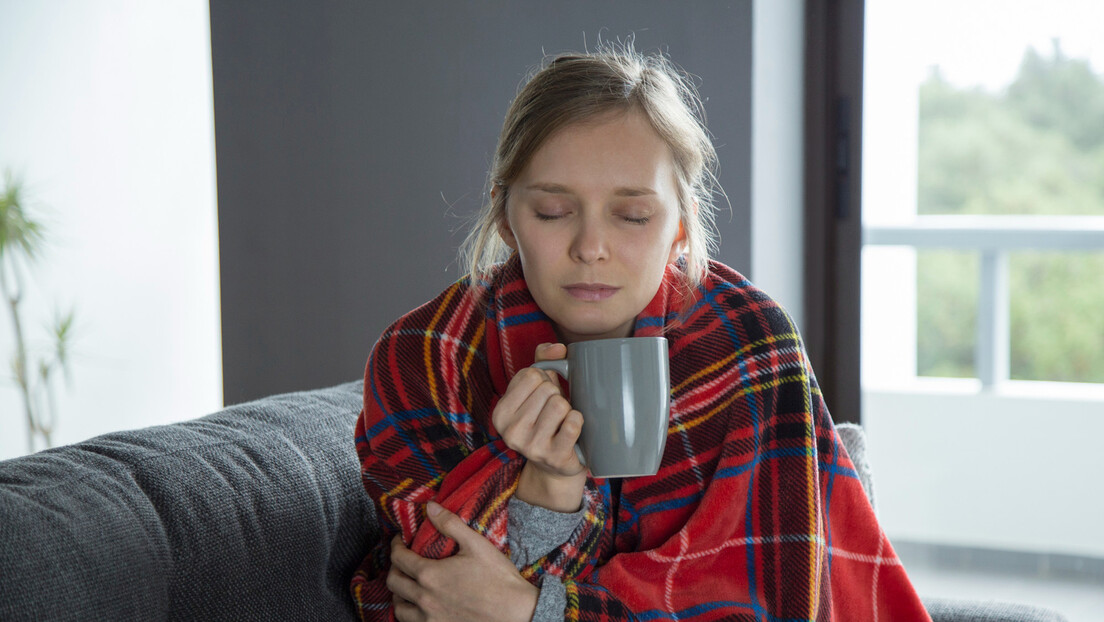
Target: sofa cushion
853, 438
253, 512
956, 610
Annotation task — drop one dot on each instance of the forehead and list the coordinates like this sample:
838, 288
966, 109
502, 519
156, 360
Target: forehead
620, 149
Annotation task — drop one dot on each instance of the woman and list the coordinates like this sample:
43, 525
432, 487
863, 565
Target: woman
600, 208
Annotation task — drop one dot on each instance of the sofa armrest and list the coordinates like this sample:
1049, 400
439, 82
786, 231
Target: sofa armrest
955, 610
254, 512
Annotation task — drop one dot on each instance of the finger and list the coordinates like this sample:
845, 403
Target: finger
563, 443
406, 611
402, 586
454, 527
521, 385
517, 426
549, 421
545, 407
539, 399
403, 558
550, 352
556, 440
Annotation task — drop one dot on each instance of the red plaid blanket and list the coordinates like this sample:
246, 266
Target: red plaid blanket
756, 512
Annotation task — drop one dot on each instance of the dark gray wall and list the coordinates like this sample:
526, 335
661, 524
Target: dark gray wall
353, 141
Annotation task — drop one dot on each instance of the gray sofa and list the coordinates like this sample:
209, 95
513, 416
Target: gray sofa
255, 512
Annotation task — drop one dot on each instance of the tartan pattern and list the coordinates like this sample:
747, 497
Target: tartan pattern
756, 513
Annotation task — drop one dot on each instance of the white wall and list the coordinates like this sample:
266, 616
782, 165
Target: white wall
777, 170
1016, 469
106, 112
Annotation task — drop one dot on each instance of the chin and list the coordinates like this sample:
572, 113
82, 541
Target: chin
597, 330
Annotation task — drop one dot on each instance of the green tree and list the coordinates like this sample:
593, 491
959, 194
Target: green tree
1060, 94
1036, 147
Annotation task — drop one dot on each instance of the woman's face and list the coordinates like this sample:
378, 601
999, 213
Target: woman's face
594, 218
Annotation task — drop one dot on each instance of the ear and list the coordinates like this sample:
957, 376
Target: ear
507, 234
681, 243
504, 230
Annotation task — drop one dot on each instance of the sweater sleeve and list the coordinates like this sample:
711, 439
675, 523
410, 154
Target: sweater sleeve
534, 532
552, 602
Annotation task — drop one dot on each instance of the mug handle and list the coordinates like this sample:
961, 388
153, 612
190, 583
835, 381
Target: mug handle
560, 366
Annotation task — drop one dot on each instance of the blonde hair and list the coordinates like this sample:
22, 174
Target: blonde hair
576, 87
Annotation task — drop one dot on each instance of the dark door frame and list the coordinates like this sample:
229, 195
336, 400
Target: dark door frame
833, 211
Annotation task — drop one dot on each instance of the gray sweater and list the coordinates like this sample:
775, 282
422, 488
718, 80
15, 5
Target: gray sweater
532, 533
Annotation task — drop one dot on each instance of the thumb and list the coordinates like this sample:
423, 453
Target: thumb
550, 352
452, 526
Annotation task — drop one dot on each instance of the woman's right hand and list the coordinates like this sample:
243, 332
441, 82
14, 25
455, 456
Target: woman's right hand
537, 421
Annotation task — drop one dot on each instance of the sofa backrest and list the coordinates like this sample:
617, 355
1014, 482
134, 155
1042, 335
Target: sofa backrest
254, 512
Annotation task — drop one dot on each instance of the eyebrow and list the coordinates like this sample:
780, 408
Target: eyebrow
624, 191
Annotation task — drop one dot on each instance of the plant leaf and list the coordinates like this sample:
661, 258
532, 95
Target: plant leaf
18, 231
63, 336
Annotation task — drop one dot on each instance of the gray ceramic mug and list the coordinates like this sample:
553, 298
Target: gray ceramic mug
623, 389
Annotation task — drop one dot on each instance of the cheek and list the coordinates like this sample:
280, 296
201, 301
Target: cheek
538, 259
676, 249
659, 249
530, 246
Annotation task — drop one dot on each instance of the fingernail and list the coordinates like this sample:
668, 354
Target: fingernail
433, 508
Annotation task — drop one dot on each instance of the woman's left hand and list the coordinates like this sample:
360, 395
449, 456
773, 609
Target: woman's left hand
477, 583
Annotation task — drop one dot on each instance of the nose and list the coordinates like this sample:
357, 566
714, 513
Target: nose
590, 243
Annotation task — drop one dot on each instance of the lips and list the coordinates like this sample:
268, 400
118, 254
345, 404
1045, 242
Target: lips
590, 292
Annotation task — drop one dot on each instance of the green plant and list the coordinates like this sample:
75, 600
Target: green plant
1035, 147
21, 242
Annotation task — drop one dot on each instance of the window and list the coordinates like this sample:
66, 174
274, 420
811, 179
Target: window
112, 133
983, 271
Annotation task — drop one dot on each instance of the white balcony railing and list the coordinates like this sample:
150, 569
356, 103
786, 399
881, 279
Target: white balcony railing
994, 237
954, 456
